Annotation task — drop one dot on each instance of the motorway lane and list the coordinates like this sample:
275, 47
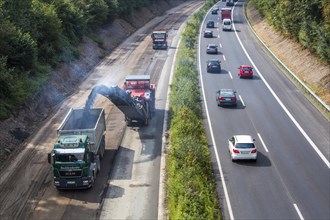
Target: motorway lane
291, 172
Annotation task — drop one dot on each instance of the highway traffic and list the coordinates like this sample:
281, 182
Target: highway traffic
291, 178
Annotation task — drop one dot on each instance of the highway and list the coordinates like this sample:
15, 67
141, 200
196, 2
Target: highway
127, 186
291, 178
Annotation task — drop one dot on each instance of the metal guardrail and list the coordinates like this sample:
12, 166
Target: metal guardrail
321, 102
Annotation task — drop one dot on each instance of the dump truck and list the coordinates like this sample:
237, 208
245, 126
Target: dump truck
159, 39
80, 144
225, 13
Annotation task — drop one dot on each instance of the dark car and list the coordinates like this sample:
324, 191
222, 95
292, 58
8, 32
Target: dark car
215, 10
226, 97
210, 24
212, 49
213, 66
208, 33
230, 3
245, 71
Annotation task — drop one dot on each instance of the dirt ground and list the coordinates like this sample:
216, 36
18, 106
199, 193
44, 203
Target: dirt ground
17, 129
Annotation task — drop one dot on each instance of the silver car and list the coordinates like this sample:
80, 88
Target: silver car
212, 49
241, 147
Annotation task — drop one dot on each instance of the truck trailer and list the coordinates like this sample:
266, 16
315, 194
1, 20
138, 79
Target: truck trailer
79, 147
225, 13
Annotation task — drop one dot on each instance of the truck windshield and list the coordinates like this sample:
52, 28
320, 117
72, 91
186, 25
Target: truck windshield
159, 35
140, 84
69, 157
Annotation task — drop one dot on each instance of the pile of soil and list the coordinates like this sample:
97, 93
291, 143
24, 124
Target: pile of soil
15, 130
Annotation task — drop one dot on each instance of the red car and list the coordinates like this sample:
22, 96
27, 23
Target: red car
245, 71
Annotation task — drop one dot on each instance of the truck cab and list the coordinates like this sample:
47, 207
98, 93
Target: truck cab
73, 164
159, 39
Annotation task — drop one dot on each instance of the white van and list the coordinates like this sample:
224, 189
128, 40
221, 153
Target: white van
226, 24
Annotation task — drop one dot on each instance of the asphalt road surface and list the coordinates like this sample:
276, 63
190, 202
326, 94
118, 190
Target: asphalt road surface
291, 178
26, 185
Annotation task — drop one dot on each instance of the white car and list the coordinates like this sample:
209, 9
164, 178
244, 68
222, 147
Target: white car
226, 24
241, 147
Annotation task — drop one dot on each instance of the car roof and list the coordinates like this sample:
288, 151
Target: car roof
245, 66
227, 90
243, 139
226, 19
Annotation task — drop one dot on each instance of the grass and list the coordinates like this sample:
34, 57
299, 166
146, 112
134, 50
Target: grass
191, 188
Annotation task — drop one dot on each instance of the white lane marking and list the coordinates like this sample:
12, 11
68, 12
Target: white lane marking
298, 211
281, 104
224, 58
241, 100
263, 143
223, 181
220, 44
230, 75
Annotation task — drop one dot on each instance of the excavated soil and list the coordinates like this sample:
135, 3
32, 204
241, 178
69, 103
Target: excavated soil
16, 130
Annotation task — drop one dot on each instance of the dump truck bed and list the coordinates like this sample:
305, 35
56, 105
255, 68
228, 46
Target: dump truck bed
90, 122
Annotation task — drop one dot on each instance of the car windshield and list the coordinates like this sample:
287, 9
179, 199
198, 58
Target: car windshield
245, 145
246, 68
212, 46
73, 157
210, 22
214, 62
226, 22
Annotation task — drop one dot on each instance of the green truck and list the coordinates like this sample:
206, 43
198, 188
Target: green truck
78, 149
